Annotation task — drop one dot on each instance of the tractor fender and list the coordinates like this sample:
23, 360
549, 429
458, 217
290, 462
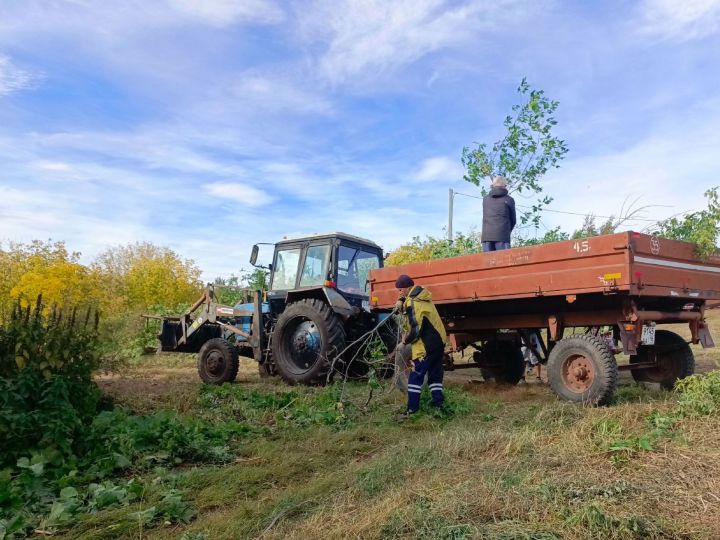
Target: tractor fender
327, 294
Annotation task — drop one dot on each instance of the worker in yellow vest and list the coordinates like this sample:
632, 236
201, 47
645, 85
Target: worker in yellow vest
426, 337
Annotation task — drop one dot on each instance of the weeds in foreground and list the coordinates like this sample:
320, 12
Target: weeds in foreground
59, 450
698, 395
604, 525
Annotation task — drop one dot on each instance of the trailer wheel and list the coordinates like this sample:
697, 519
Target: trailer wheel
502, 361
675, 360
218, 361
582, 368
307, 336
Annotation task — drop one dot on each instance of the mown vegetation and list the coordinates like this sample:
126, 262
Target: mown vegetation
504, 463
150, 452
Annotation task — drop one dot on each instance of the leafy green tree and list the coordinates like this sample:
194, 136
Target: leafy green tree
701, 228
228, 290
256, 280
237, 289
553, 235
523, 156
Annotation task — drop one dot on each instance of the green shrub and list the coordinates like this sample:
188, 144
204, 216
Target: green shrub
119, 440
47, 393
699, 395
57, 448
56, 343
295, 408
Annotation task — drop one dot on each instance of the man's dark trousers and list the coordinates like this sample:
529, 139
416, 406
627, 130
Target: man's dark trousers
432, 365
495, 246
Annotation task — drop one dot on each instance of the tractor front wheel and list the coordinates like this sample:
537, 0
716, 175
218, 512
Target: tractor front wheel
308, 336
218, 361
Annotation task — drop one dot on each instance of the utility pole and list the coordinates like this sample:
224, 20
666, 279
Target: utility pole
450, 215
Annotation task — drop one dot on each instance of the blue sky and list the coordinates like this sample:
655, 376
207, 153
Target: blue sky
208, 126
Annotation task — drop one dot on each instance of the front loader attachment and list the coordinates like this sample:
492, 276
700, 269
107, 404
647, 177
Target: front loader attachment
205, 320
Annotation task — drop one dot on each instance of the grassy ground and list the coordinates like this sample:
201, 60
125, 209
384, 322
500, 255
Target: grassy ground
511, 463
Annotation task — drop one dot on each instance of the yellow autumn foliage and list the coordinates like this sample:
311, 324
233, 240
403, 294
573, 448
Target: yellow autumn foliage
122, 283
128, 278
144, 276
409, 253
61, 283
46, 268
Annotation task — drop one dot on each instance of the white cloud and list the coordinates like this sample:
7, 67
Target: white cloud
114, 18
53, 166
242, 193
277, 94
441, 168
12, 78
373, 36
227, 12
669, 170
680, 19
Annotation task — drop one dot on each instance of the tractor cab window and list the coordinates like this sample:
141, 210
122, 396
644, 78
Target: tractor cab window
315, 267
285, 269
354, 264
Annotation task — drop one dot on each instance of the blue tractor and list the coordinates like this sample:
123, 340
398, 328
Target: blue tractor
302, 328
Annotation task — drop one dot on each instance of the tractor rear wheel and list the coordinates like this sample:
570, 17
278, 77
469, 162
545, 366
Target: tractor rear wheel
582, 368
307, 337
673, 356
502, 361
218, 361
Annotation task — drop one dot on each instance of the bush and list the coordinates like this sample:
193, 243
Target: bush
57, 448
119, 440
699, 395
46, 388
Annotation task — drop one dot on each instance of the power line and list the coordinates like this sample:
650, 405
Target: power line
567, 212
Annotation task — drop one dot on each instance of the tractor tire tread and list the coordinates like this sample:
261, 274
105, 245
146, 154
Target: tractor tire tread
605, 366
335, 339
229, 352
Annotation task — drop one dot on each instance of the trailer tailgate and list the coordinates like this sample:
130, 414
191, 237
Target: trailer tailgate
664, 267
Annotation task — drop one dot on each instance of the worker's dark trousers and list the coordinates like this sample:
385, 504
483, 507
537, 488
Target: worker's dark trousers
432, 365
495, 246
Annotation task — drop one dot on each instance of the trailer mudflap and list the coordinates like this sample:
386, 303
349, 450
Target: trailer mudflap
701, 334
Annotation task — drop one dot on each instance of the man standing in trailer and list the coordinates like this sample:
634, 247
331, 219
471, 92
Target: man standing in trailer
498, 217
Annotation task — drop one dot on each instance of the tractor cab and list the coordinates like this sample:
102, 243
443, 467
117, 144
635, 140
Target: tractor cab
333, 267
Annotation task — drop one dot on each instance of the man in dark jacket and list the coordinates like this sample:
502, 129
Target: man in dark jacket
498, 217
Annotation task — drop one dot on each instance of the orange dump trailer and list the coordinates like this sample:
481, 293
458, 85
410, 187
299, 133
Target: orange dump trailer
612, 291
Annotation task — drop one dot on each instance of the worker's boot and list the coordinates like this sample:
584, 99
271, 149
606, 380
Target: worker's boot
404, 417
